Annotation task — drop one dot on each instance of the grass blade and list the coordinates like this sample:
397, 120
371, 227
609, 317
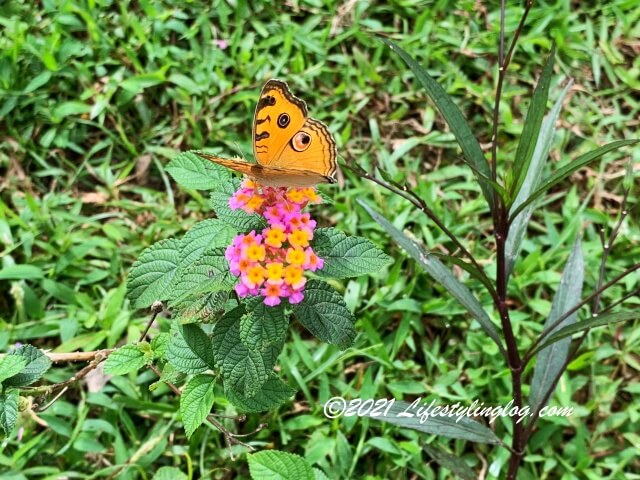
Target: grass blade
472, 152
441, 274
531, 129
550, 360
568, 169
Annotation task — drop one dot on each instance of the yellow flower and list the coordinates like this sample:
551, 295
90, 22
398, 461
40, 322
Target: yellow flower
274, 237
293, 276
255, 275
274, 273
255, 202
296, 256
256, 253
299, 238
296, 195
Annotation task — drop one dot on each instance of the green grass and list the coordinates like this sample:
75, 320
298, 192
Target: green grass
95, 97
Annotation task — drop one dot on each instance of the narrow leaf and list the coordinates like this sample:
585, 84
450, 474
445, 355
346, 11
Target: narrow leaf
451, 462
518, 227
325, 314
417, 417
345, 256
276, 465
8, 411
37, 363
568, 169
124, 360
153, 272
531, 129
441, 274
551, 359
471, 149
597, 321
169, 473
196, 402
21, 272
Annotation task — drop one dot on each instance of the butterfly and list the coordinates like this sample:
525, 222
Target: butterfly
291, 149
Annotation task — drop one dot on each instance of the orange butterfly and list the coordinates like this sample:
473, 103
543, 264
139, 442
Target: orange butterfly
291, 149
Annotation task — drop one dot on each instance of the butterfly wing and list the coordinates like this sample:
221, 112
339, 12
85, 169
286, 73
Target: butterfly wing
284, 138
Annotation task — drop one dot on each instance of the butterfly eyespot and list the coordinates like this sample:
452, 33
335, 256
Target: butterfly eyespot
283, 120
270, 100
301, 141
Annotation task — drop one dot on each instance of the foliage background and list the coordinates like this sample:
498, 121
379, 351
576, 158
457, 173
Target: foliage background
95, 97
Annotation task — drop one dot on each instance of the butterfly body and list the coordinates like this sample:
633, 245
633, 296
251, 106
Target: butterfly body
291, 149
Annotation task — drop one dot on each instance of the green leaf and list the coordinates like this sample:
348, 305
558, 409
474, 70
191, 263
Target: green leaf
243, 370
531, 128
196, 402
551, 359
273, 393
169, 473
451, 462
565, 171
276, 465
345, 256
472, 152
238, 219
138, 83
263, 326
124, 360
11, 365
206, 235
190, 349
597, 321
153, 272
37, 364
324, 313
441, 274
210, 273
21, 272
8, 411
202, 308
66, 109
518, 227
410, 415
160, 344
191, 171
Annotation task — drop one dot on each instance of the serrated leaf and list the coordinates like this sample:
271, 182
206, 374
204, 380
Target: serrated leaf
124, 360
345, 256
243, 370
196, 402
210, 273
273, 393
319, 474
160, 344
551, 359
325, 314
169, 375
169, 473
411, 415
153, 272
451, 462
441, 274
238, 219
11, 365
518, 227
276, 465
566, 170
263, 326
532, 123
187, 350
202, 307
37, 363
191, 171
8, 411
472, 152
205, 235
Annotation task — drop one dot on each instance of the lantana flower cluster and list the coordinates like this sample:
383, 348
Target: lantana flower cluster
272, 263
